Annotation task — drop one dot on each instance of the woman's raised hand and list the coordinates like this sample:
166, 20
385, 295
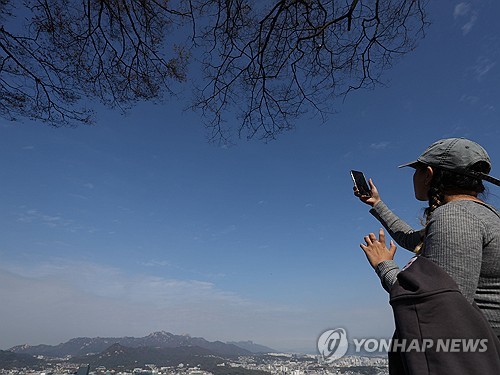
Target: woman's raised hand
372, 199
375, 249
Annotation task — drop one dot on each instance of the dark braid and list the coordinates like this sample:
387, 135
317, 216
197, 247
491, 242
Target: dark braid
436, 198
444, 182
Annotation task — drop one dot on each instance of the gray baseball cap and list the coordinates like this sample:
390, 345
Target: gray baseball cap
456, 155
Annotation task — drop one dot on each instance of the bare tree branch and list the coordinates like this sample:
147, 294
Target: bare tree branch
276, 63
112, 50
264, 63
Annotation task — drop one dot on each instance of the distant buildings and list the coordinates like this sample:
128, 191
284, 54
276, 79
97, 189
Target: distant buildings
275, 364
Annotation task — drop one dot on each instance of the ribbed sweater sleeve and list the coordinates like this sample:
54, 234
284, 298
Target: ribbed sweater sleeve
404, 235
387, 271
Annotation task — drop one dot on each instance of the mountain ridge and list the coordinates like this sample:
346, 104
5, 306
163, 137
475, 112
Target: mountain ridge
119, 355
84, 346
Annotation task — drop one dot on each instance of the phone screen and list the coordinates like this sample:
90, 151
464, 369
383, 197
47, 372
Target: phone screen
360, 182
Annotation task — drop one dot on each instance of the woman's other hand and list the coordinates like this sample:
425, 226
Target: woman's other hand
375, 249
372, 199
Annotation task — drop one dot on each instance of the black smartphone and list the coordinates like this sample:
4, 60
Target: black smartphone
360, 183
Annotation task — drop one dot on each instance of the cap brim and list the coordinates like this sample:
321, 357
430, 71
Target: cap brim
412, 164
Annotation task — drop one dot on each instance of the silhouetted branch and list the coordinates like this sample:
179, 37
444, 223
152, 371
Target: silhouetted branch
264, 63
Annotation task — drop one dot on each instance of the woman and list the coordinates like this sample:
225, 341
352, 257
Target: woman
451, 291
461, 232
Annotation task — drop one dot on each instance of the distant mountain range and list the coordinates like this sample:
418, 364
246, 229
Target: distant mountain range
159, 348
84, 346
120, 356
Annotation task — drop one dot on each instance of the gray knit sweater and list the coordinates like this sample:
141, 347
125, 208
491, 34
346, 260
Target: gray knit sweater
463, 238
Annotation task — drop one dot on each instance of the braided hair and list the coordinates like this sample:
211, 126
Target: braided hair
446, 182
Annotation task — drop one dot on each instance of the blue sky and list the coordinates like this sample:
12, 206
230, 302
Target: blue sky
138, 224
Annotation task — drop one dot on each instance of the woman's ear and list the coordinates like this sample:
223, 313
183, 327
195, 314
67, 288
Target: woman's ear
429, 173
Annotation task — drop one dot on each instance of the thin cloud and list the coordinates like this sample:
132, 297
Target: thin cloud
482, 67
461, 9
36, 216
470, 99
111, 282
54, 301
156, 263
467, 27
464, 10
379, 146
79, 196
